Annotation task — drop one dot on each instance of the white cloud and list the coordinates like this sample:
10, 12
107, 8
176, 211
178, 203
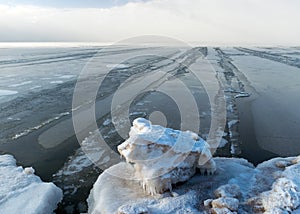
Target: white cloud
205, 21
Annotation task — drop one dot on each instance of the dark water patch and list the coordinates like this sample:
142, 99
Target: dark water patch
250, 148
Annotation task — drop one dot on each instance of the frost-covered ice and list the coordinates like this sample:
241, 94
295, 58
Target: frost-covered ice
23, 192
282, 192
163, 156
236, 187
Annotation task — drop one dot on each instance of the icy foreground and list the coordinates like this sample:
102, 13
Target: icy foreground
162, 157
23, 192
236, 186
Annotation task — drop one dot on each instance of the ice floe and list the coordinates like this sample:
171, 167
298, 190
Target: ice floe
163, 156
23, 192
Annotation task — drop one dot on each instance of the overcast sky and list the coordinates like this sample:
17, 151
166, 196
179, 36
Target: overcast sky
228, 22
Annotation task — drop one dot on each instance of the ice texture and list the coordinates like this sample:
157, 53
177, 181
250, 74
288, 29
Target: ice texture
283, 192
236, 187
7, 92
23, 192
162, 156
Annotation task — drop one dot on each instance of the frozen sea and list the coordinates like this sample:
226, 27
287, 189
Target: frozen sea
260, 85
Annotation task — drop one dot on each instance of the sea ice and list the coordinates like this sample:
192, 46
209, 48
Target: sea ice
23, 192
236, 187
162, 157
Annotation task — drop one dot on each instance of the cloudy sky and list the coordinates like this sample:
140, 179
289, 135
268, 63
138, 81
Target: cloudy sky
227, 22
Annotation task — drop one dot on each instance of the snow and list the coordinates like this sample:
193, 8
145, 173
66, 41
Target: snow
144, 130
236, 187
226, 202
285, 190
112, 184
22, 191
130, 196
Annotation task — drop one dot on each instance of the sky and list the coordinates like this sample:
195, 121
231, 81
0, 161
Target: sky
206, 22
68, 3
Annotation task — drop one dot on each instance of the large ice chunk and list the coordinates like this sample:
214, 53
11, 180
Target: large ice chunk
23, 192
162, 156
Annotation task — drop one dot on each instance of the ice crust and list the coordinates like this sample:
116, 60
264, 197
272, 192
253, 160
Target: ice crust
162, 156
236, 187
23, 192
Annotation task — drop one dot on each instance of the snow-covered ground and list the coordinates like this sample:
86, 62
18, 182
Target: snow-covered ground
23, 192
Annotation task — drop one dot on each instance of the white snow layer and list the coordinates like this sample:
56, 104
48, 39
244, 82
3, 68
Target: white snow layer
23, 192
236, 187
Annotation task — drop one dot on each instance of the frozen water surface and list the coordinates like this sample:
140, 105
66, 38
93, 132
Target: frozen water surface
36, 88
